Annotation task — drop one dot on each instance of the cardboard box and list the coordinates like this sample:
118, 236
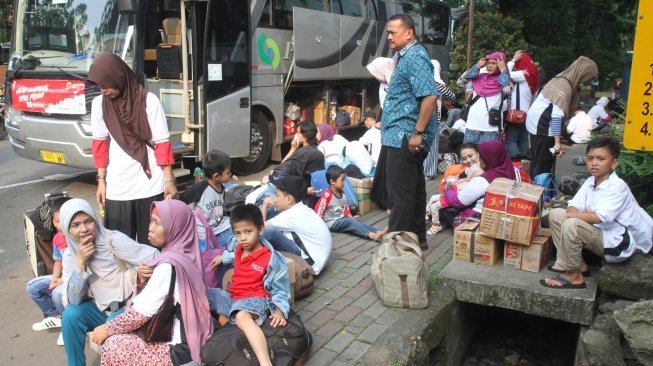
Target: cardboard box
367, 206
320, 112
363, 188
469, 245
536, 255
512, 254
511, 210
354, 114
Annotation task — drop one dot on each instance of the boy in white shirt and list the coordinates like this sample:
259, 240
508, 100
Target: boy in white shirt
297, 228
603, 217
579, 127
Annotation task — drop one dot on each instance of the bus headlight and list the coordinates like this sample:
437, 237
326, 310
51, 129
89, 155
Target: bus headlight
85, 124
13, 117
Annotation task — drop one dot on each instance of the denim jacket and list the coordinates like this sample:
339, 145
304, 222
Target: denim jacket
276, 281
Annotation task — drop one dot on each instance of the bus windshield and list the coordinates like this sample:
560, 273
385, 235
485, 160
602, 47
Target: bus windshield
65, 34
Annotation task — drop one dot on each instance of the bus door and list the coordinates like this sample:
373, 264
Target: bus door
227, 77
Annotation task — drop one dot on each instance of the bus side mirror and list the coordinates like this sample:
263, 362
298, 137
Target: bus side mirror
127, 6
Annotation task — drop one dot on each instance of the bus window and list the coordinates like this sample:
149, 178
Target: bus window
283, 10
347, 7
266, 16
376, 10
436, 23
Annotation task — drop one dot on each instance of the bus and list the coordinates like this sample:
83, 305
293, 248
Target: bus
232, 75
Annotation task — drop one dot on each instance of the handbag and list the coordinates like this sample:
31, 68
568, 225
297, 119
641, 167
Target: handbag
494, 114
464, 112
211, 250
515, 115
159, 327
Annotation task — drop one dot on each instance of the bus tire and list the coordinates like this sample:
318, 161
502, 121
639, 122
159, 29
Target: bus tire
260, 144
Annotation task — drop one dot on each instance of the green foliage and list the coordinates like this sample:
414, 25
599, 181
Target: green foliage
492, 32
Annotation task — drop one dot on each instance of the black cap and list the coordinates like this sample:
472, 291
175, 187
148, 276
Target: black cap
290, 184
369, 114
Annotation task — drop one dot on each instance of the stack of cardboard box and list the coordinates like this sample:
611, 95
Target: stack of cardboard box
363, 187
511, 212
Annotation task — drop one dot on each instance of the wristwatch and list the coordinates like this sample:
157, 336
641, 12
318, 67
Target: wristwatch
416, 132
98, 177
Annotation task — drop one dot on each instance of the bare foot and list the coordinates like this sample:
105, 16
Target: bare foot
374, 236
388, 211
574, 278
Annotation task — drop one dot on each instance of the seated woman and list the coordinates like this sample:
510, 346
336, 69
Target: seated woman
468, 202
172, 228
599, 115
95, 283
330, 144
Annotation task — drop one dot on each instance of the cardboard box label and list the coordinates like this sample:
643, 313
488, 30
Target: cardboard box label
472, 246
512, 255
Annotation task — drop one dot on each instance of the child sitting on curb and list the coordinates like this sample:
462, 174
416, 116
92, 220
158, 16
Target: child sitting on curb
603, 217
332, 207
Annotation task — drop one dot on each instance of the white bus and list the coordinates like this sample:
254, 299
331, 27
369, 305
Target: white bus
226, 71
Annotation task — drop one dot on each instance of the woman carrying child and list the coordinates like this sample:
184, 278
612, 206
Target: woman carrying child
468, 202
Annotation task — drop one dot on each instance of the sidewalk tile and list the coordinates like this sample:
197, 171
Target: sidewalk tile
390, 316
340, 303
360, 323
376, 309
336, 292
372, 332
330, 329
322, 357
355, 351
367, 299
348, 313
339, 342
322, 317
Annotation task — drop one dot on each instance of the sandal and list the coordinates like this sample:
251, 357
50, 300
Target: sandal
434, 229
47, 323
564, 283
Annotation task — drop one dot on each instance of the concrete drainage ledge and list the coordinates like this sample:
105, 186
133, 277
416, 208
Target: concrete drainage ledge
411, 339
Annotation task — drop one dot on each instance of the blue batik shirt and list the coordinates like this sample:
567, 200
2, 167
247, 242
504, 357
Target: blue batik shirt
411, 81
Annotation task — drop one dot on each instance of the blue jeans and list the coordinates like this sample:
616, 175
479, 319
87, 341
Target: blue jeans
221, 302
280, 242
480, 136
353, 226
516, 139
49, 301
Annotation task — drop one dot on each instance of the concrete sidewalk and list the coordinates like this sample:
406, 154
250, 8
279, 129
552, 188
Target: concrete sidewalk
345, 314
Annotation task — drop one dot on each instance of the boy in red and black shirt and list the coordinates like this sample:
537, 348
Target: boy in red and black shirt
257, 269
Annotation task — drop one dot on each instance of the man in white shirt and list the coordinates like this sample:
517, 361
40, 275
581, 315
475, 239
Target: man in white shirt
372, 137
579, 127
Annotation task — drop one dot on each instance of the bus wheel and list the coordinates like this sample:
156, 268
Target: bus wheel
259, 151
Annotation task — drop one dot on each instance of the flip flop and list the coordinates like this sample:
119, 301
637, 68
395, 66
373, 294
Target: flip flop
585, 274
565, 283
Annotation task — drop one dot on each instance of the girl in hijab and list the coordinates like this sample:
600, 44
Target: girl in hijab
526, 78
330, 144
544, 118
598, 114
95, 283
131, 147
172, 228
495, 161
431, 162
489, 80
381, 68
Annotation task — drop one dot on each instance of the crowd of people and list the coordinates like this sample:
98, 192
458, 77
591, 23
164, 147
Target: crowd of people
113, 275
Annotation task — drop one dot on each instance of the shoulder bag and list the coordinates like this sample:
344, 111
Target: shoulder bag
494, 114
464, 112
159, 327
211, 250
515, 115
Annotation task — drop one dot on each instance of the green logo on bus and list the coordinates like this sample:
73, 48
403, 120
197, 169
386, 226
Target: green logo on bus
269, 51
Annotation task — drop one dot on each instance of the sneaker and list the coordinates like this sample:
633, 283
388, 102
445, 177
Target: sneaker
60, 339
47, 323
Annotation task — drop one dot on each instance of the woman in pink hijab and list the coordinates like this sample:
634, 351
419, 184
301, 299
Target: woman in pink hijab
490, 78
172, 228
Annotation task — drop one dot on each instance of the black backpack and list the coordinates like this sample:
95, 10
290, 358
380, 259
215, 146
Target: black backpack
229, 346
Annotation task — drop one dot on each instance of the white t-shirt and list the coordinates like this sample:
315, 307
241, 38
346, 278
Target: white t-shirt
597, 113
332, 150
459, 125
358, 155
525, 95
151, 298
535, 111
125, 177
372, 138
477, 119
310, 228
580, 127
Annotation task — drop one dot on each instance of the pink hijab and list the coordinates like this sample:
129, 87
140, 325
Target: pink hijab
497, 160
487, 85
183, 253
326, 132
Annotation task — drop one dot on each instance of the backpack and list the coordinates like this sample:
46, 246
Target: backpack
446, 160
399, 272
452, 170
342, 118
547, 181
304, 276
235, 196
229, 346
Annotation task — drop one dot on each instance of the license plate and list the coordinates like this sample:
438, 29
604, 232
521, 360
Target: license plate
53, 157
